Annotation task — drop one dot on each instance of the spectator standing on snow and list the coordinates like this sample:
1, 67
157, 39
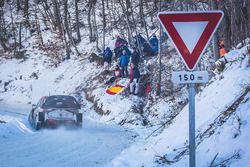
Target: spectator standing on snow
119, 44
107, 57
124, 60
134, 82
154, 42
135, 57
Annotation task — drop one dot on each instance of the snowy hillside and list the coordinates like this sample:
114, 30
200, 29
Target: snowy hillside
55, 47
222, 118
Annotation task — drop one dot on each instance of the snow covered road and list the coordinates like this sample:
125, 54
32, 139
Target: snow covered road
94, 145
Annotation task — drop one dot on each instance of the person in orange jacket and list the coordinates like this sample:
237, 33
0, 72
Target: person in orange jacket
222, 49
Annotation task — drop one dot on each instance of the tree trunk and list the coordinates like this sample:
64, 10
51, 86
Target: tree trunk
141, 12
104, 24
2, 31
89, 21
143, 19
57, 16
39, 32
49, 14
128, 5
26, 10
77, 21
18, 4
2, 43
96, 30
127, 17
215, 37
227, 28
20, 35
66, 25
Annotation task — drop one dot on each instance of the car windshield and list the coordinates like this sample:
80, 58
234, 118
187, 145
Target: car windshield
61, 102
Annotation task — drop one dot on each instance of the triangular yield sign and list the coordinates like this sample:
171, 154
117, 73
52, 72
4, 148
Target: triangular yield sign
190, 32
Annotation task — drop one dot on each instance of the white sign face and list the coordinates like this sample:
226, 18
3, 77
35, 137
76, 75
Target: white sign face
184, 77
190, 32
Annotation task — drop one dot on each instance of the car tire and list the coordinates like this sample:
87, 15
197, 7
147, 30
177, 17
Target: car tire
39, 120
38, 125
79, 119
41, 116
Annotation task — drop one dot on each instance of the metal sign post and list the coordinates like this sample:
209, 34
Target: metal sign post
191, 92
190, 33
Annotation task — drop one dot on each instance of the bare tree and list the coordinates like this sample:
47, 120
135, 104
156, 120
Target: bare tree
2, 43
104, 24
20, 35
18, 4
141, 12
2, 29
77, 21
125, 9
96, 36
26, 11
57, 16
215, 37
66, 26
90, 8
235, 26
38, 28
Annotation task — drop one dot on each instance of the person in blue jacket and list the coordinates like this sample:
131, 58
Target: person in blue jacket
107, 57
154, 42
124, 60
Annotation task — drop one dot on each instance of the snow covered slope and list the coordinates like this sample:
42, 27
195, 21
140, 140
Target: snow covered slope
222, 126
27, 81
221, 117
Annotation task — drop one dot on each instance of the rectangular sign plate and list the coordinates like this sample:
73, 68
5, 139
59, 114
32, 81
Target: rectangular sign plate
184, 77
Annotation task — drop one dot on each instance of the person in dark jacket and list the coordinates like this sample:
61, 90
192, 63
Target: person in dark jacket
119, 44
147, 50
124, 60
134, 83
154, 42
107, 57
135, 57
139, 40
128, 52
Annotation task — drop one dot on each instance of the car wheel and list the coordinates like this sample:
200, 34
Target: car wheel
40, 118
79, 119
38, 125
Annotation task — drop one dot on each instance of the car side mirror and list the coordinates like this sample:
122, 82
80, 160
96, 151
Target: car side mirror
33, 106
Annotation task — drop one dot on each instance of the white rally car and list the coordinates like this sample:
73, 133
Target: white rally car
52, 111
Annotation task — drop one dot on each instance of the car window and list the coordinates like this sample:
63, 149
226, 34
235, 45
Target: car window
61, 102
40, 102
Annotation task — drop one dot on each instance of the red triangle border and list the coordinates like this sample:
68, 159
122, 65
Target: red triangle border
212, 17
